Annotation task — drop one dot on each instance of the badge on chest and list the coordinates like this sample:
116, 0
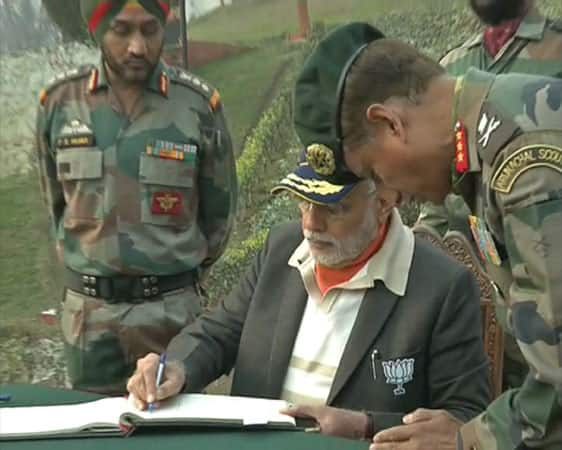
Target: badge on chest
167, 203
75, 134
172, 150
399, 371
484, 241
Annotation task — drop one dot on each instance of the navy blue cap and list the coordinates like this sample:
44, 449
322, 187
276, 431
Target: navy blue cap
308, 185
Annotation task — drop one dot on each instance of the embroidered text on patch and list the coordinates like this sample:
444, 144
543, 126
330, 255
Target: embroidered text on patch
522, 160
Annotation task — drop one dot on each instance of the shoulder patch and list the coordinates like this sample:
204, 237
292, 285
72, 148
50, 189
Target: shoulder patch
186, 78
493, 131
72, 74
528, 157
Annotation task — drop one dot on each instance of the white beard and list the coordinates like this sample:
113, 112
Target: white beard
347, 249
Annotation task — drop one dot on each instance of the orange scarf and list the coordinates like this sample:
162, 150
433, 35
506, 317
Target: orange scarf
327, 278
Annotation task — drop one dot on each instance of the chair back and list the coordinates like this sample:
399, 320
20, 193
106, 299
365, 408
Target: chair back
459, 247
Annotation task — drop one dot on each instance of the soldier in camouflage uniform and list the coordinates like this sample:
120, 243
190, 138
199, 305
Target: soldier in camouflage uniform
497, 141
138, 174
518, 39
531, 44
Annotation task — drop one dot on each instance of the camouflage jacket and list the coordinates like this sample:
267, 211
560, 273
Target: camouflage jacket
536, 48
152, 193
514, 127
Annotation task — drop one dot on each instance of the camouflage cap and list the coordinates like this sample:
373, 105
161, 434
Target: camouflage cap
317, 98
98, 13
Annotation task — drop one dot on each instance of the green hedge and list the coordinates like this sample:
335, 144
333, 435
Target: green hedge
270, 151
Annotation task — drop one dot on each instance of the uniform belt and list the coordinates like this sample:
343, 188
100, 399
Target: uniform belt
126, 289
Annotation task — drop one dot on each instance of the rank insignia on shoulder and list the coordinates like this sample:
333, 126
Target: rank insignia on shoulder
484, 241
62, 78
486, 126
526, 158
164, 84
43, 97
461, 148
93, 80
493, 131
215, 100
172, 150
188, 79
169, 203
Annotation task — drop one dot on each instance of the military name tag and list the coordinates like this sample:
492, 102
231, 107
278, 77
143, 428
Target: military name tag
172, 150
75, 133
86, 140
525, 158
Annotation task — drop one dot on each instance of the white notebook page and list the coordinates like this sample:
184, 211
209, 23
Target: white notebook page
42, 419
251, 411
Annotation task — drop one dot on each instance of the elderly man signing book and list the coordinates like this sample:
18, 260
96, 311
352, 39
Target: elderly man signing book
347, 316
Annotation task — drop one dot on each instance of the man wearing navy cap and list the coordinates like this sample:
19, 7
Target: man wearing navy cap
348, 317
497, 141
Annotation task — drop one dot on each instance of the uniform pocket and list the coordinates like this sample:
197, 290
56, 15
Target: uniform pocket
72, 319
73, 330
80, 171
167, 191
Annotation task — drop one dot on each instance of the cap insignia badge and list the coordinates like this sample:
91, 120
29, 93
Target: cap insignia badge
321, 159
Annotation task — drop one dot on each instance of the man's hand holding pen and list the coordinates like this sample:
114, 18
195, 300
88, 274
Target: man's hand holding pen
144, 385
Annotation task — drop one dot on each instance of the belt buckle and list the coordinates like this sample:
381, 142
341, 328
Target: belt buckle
122, 289
150, 285
90, 285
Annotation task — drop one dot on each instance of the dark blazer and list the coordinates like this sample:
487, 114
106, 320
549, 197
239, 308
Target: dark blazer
437, 323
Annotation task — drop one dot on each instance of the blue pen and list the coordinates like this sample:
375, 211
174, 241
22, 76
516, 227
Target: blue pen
159, 377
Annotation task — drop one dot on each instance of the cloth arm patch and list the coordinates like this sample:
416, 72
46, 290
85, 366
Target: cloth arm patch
526, 158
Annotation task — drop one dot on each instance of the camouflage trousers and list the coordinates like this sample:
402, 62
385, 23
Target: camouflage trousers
104, 340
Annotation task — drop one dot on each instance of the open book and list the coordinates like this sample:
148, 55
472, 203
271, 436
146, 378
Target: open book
118, 415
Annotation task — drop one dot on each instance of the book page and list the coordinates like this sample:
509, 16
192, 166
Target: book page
214, 408
101, 415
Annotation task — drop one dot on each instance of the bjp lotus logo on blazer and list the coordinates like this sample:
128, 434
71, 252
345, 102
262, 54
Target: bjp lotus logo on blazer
399, 372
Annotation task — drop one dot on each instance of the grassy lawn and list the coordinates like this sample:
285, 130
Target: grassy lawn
250, 21
27, 284
245, 83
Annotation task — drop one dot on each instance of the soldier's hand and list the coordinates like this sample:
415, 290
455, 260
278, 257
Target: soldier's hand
332, 421
142, 383
423, 429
